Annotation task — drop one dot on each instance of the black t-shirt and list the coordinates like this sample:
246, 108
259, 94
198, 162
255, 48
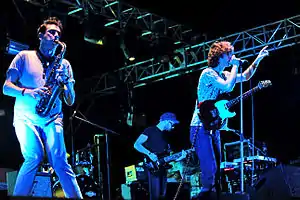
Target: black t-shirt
156, 142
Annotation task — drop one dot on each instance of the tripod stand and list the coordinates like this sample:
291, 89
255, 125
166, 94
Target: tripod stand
107, 132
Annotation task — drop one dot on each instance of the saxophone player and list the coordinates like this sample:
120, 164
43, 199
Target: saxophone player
26, 78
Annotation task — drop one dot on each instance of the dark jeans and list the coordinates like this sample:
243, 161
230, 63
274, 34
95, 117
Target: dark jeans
208, 150
157, 185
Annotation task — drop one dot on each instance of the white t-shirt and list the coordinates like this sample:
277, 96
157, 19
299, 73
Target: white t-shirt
31, 75
207, 90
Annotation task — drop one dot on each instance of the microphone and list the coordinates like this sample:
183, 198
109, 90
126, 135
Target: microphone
242, 61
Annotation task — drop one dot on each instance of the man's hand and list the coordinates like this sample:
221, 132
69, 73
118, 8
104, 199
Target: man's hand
153, 157
183, 156
263, 53
37, 92
62, 75
234, 61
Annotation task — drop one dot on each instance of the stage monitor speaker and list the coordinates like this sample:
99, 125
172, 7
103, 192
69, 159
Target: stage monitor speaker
135, 191
279, 183
42, 186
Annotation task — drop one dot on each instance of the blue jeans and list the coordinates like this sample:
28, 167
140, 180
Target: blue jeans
208, 149
157, 185
33, 140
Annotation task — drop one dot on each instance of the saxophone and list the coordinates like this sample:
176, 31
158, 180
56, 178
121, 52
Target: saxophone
46, 102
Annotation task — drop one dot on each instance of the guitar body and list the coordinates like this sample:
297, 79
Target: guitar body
157, 167
162, 163
213, 114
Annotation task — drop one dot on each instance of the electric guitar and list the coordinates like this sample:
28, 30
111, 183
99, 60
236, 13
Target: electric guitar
163, 161
214, 113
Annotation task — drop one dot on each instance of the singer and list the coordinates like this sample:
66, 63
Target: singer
215, 81
25, 81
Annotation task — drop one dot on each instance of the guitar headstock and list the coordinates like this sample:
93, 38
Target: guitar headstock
190, 150
264, 84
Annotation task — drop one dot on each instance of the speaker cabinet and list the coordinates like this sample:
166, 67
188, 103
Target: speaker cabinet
42, 186
278, 183
135, 191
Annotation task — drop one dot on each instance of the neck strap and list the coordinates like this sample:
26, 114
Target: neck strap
45, 61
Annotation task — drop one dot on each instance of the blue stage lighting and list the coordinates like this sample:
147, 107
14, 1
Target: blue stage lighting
13, 47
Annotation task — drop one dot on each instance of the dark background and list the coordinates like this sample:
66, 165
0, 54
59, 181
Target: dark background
276, 118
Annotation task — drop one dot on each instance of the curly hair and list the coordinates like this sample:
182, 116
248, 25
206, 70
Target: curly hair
50, 20
216, 50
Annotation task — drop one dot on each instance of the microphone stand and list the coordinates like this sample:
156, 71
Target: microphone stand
107, 132
252, 145
72, 142
71, 128
241, 132
253, 149
71, 131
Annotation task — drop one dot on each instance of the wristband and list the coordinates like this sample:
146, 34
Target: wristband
23, 91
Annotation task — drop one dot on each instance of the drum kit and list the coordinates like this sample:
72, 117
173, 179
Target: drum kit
84, 171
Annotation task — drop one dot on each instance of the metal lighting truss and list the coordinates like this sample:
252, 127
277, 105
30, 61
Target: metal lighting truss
118, 15
247, 43
277, 35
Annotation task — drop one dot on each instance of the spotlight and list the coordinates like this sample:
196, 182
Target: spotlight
126, 52
14, 47
131, 58
177, 59
94, 41
93, 30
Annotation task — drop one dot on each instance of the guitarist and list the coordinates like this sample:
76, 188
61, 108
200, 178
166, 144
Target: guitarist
151, 143
215, 81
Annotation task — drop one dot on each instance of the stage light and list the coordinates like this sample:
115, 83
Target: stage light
13, 47
131, 58
74, 11
177, 59
128, 55
93, 30
146, 33
94, 41
111, 23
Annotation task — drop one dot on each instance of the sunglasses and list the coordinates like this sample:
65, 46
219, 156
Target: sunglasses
53, 32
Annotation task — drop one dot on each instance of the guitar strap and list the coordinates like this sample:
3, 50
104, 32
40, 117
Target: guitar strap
46, 62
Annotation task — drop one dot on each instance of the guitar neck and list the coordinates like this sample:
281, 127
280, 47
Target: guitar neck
244, 96
173, 157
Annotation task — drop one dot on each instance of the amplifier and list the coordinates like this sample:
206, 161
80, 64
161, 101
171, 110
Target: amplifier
232, 150
135, 191
42, 186
135, 173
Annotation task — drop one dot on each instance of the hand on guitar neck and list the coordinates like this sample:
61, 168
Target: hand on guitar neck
183, 156
153, 157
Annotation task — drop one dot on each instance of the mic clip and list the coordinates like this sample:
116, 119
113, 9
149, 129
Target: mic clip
73, 115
